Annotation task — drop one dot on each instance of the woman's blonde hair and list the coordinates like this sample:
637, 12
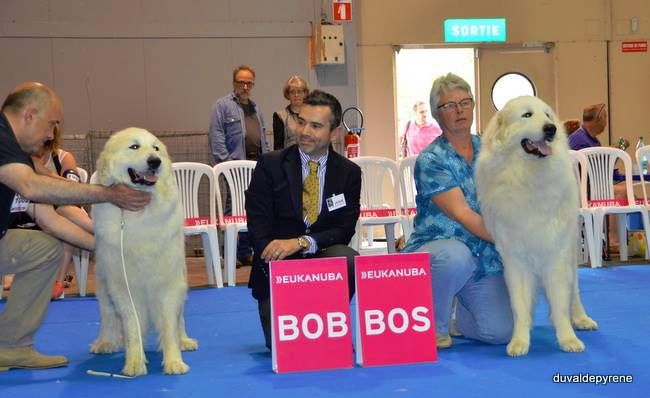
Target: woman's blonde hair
297, 82
55, 143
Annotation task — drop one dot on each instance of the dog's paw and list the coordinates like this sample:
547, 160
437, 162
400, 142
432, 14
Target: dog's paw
135, 368
517, 348
572, 344
103, 347
189, 344
584, 322
176, 367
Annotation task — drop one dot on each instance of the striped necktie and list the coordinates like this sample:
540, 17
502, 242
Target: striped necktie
310, 190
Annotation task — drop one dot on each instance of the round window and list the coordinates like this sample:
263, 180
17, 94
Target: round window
509, 86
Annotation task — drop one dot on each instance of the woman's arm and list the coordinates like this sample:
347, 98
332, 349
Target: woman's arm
455, 206
54, 224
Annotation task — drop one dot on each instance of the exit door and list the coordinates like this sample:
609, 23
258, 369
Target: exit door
534, 63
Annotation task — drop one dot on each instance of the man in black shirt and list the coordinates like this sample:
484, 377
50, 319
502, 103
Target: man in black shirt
28, 118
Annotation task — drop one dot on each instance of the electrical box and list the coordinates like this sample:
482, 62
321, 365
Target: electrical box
329, 45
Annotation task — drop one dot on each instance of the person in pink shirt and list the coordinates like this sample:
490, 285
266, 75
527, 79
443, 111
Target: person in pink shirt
419, 132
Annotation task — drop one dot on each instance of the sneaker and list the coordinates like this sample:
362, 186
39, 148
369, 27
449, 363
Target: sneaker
57, 290
28, 358
443, 341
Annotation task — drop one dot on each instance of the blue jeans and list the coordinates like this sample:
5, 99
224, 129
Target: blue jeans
483, 312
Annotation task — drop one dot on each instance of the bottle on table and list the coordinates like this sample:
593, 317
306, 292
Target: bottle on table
644, 160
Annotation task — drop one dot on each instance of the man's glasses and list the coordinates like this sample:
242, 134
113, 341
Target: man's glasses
466, 103
244, 83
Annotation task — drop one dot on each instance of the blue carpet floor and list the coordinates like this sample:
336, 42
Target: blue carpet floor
232, 360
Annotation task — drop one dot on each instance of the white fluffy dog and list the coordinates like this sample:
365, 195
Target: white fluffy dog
529, 201
145, 248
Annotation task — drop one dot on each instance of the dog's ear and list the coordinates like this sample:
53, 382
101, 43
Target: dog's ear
494, 131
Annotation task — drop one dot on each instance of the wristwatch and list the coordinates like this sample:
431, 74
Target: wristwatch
303, 242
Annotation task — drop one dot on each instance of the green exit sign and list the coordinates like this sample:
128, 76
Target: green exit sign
475, 30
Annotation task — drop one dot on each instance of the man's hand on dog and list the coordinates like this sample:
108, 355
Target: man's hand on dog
128, 198
279, 249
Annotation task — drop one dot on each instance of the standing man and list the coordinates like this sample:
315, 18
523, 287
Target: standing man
303, 201
28, 118
237, 132
419, 132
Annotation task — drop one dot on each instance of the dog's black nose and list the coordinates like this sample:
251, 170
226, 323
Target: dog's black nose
154, 163
549, 131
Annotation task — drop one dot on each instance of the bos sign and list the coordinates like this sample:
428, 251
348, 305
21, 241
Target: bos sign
475, 30
394, 309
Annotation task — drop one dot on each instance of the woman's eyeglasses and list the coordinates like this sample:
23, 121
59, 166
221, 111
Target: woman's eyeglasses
466, 103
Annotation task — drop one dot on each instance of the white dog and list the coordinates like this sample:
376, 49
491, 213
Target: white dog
529, 201
145, 248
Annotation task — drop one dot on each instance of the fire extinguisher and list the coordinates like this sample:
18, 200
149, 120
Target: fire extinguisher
352, 140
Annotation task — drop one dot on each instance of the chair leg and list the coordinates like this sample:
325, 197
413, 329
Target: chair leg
231, 254
597, 247
207, 255
646, 227
590, 249
390, 237
80, 260
215, 258
621, 229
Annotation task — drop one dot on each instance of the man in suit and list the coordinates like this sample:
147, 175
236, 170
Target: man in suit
281, 222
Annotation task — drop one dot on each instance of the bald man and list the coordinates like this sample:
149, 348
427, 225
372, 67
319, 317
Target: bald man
28, 117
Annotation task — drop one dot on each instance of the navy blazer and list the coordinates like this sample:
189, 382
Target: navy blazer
274, 207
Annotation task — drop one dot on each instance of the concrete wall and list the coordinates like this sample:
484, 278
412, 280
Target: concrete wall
161, 64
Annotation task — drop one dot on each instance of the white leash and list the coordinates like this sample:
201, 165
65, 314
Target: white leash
135, 312
128, 289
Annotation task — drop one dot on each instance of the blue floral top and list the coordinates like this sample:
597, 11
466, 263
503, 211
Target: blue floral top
438, 169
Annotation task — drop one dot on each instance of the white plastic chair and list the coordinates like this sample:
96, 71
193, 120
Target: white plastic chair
407, 192
585, 227
81, 257
374, 172
237, 174
188, 177
601, 162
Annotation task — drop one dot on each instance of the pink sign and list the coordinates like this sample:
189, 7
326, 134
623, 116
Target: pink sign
394, 310
634, 46
310, 315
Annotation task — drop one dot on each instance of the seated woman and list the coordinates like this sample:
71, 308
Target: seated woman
57, 163
464, 262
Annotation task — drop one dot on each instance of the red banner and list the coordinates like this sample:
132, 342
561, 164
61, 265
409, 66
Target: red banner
378, 213
310, 313
411, 211
233, 219
613, 202
394, 310
196, 221
192, 222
